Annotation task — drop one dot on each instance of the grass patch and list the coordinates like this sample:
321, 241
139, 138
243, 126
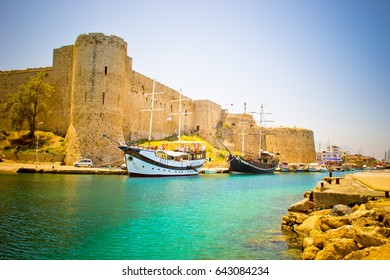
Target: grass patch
20, 142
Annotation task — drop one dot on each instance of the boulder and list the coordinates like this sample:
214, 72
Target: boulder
291, 219
366, 222
359, 214
307, 226
337, 249
309, 253
328, 253
371, 253
307, 242
342, 246
341, 210
319, 240
386, 220
371, 236
332, 222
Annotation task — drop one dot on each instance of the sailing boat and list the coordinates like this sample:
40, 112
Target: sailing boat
263, 163
178, 158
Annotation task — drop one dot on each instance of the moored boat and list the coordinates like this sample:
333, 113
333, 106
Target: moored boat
179, 158
284, 167
314, 167
263, 163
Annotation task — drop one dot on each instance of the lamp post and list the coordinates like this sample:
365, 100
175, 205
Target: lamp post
36, 151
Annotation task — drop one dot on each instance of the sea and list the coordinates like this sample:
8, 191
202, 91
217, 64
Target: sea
116, 217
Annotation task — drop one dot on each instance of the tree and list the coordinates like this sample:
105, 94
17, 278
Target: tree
29, 102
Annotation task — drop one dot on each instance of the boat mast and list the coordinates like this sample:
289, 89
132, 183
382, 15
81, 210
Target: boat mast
151, 110
151, 113
261, 124
179, 113
179, 130
243, 133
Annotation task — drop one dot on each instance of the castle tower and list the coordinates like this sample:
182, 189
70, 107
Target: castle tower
97, 95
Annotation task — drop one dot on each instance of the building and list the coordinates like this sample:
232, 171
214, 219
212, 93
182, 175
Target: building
330, 155
97, 92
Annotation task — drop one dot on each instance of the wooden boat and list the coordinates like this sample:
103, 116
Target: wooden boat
178, 158
263, 163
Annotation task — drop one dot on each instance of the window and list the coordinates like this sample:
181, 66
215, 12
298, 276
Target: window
105, 71
103, 96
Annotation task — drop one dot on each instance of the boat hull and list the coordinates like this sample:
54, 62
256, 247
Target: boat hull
145, 163
238, 165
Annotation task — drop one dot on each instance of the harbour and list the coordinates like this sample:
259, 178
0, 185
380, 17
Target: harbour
64, 216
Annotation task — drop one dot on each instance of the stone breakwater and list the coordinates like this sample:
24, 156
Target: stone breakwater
349, 220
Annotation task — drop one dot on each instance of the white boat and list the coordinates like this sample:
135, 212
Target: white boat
314, 167
284, 167
178, 158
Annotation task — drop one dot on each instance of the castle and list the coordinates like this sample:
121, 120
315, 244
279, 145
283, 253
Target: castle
97, 92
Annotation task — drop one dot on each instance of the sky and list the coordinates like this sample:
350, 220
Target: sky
322, 65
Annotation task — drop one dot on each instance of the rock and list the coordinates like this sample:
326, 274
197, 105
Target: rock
307, 226
341, 210
310, 253
359, 214
343, 246
355, 207
319, 240
305, 206
291, 219
307, 242
386, 220
331, 222
370, 236
371, 253
328, 253
337, 249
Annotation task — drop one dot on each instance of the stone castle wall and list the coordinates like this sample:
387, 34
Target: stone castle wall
97, 97
293, 145
97, 92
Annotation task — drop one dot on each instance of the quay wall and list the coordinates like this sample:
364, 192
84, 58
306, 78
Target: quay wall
97, 92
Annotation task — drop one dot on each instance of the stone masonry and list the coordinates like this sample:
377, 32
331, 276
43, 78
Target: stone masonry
97, 92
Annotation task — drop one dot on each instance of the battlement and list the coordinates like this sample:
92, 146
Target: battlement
99, 38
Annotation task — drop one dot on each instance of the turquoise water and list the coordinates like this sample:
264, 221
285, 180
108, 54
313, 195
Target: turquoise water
223, 217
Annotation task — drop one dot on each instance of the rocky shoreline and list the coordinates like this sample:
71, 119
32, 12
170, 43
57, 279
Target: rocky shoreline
349, 220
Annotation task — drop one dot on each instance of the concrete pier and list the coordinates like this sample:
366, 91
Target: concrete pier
351, 189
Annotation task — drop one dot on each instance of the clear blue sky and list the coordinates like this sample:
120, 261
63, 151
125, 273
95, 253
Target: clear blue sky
323, 65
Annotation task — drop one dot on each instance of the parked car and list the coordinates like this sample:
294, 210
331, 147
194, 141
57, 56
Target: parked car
84, 162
